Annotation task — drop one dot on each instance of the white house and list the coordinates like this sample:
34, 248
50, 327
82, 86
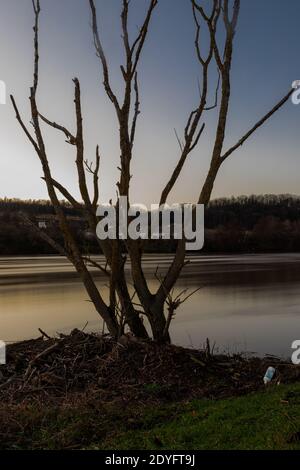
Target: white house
42, 224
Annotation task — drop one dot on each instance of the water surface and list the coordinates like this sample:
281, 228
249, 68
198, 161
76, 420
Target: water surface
246, 303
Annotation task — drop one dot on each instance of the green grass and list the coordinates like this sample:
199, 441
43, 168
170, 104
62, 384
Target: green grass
256, 421
266, 420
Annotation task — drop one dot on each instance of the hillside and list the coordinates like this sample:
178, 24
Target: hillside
267, 223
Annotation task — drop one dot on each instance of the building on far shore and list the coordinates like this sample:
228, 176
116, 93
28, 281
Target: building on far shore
42, 224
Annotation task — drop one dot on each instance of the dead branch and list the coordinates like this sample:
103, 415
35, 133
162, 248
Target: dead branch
192, 133
101, 55
42, 234
67, 195
44, 335
260, 123
94, 264
71, 248
71, 139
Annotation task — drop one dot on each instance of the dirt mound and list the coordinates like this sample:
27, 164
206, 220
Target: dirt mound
59, 369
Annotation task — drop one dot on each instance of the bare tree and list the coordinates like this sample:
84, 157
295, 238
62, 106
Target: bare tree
159, 307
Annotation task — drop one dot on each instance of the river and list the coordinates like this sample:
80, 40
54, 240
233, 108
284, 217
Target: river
248, 303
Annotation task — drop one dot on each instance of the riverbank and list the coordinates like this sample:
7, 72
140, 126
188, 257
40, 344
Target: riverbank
88, 391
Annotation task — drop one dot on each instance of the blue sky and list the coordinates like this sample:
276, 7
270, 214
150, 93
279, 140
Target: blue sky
266, 61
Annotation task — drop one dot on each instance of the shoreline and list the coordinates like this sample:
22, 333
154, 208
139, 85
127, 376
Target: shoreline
86, 391
94, 382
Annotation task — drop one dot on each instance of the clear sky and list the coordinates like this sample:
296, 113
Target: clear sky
266, 61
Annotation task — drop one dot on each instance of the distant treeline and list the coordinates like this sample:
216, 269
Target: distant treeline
35, 207
267, 223
17, 239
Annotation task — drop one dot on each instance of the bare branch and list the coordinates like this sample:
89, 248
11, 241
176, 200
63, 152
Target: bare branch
136, 110
201, 59
80, 147
71, 139
231, 24
257, 126
94, 264
68, 196
196, 141
23, 126
42, 234
225, 70
95, 173
209, 108
211, 21
124, 17
72, 247
173, 273
178, 140
101, 55
36, 6
37, 10
192, 133
173, 304
96, 178
140, 40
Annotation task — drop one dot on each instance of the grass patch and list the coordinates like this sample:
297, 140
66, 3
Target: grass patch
267, 420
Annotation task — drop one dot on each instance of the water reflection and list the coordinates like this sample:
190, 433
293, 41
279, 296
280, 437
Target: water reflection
249, 303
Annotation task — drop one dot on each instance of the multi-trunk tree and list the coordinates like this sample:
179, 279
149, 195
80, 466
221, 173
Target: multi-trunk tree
143, 312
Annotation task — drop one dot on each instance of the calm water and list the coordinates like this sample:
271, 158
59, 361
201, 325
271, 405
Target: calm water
246, 303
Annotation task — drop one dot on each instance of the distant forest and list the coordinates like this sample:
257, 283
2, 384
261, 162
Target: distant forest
249, 224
